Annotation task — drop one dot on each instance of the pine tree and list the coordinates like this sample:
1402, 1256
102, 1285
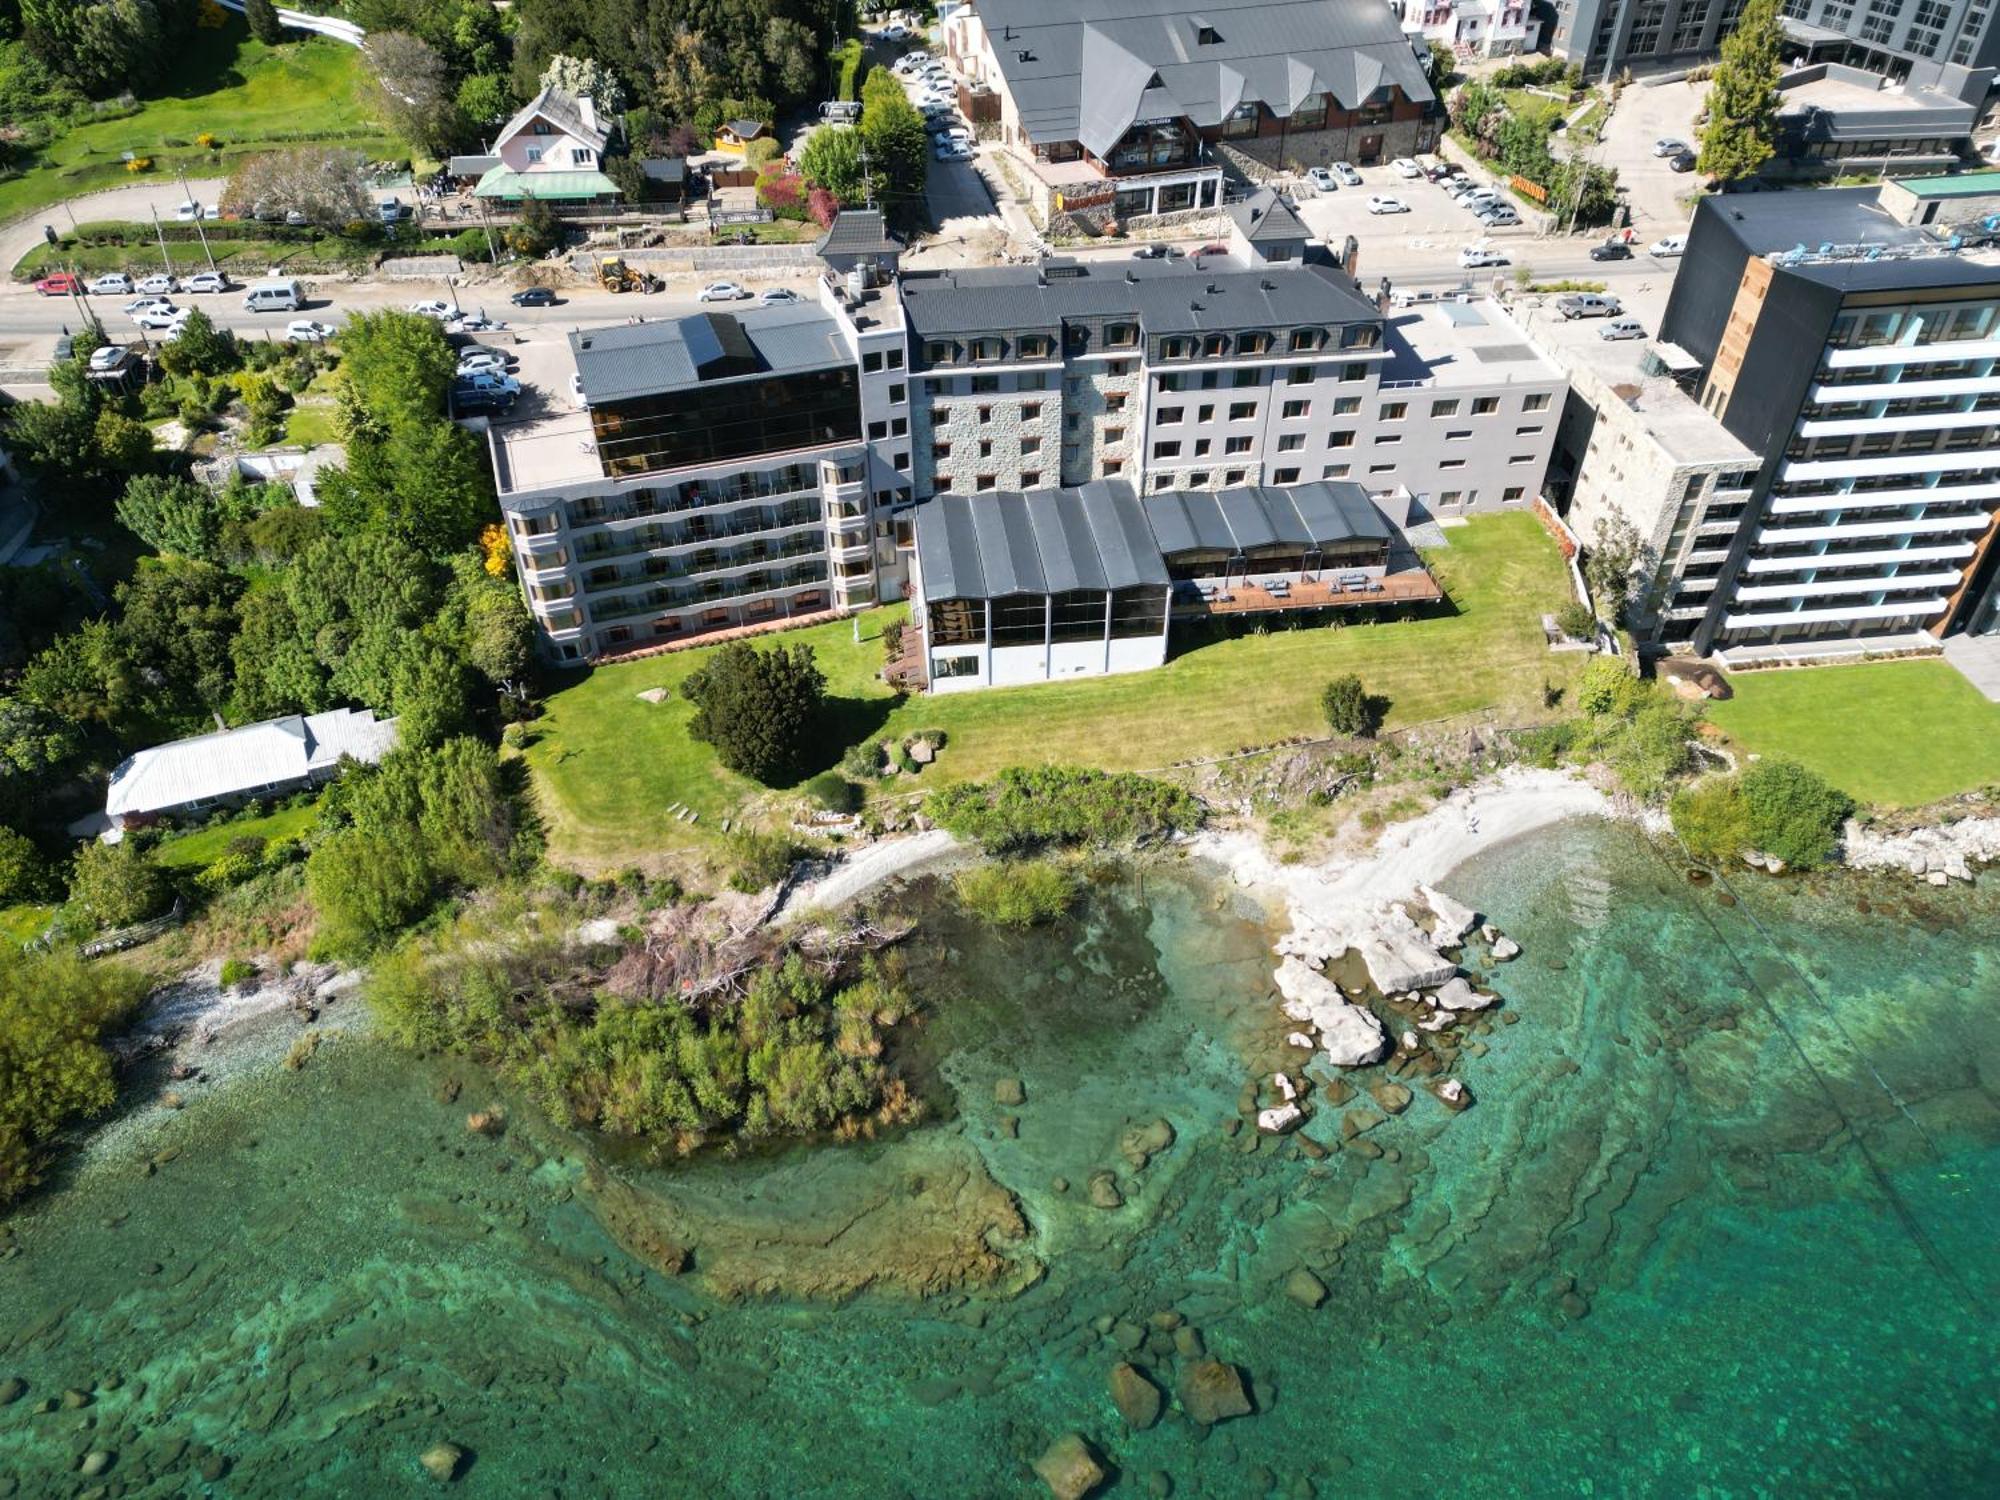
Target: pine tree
1742, 126
264, 24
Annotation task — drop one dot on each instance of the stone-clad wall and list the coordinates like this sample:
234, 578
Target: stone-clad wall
1091, 392
1021, 445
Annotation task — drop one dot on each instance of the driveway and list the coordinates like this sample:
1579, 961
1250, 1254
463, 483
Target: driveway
1661, 198
954, 193
134, 204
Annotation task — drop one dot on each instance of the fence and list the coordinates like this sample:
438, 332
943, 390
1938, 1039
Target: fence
131, 937
710, 258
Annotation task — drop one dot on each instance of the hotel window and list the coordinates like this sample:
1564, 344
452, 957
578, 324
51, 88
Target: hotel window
1201, 447
1452, 463
1031, 479
1293, 409
1354, 372
1334, 471
898, 394
899, 427
984, 482
1170, 416
877, 431
1360, 336
1451, 497
1114, 403
1236, 445
1114, 434
1522, 458
1512, 492
1242, 411
1482, 405
1167, 450
1036, 346
1285, 476
986, 385
1036, 380
1252, 343
1443, 409
1215, 345
985, 415
940, 452
1122, 335
1536, 403
1340, 440
1241, 120
871, 363
1030, 445
1170, 383
1245, 379
1114, 465
1384, 439
1346, 406
1032, 412
937, 352
1291, 442
986, 447
1304, 339
1459, 435
1232, 476
1299, 375
1395, 411
895, 359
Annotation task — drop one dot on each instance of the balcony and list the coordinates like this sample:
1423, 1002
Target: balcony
1881, 583
1909, 390
1923, 421
1897, 463
1911, 354
602, 548
1883, 557
700, 567
1792, 505
1911, 609
1780, 535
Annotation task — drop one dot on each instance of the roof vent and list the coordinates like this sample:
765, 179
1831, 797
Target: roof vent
1024, 55
1214, 290
1268, 284
1131, 277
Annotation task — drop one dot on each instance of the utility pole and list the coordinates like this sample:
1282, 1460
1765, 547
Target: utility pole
200, 233
492, 255
162, 234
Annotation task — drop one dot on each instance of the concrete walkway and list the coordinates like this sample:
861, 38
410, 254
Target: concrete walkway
1977, 658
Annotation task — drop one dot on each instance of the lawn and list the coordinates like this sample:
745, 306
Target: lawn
23, 924
245, 259
1893, 733
608, 765
253, 97
204, 846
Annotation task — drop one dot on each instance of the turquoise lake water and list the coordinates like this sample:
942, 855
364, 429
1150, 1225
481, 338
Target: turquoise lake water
1722, 1223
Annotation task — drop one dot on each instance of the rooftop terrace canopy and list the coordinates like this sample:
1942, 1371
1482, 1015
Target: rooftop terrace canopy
1256, 518
1048, 541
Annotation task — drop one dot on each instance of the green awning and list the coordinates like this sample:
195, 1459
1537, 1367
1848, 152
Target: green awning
511, 186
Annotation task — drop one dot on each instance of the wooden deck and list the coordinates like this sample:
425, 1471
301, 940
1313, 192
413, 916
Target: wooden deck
1411, 586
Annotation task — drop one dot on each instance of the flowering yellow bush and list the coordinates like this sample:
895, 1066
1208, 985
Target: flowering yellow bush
208, 140
493, 542
139, 164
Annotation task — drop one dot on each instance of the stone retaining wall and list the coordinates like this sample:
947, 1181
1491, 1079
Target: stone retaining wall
665, 260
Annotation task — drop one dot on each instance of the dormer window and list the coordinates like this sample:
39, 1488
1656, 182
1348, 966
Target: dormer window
543, 127
1207, 36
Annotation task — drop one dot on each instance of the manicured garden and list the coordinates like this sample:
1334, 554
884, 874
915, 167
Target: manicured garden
608, 765
1893, 733
202, 847
248, 96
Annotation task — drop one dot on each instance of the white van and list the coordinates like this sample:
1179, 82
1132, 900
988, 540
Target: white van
274, 296
840, 111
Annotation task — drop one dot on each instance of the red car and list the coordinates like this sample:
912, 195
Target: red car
61, 284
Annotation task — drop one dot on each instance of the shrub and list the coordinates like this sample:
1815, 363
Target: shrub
833, 792
1348, 708
758, 152
22, 872
1027, 808
761, 860
862, 762
892, 637
1777, 807
235, 971
230, 870
1022, 893
761, 710
115, 885
1576, 621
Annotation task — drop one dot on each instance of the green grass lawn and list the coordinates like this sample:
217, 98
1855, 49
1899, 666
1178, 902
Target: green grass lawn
245, 259
251, 96
204, 846
607, 766
1893, 733
311, 425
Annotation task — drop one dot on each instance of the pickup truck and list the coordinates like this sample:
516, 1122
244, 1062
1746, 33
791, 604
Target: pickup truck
1588, 305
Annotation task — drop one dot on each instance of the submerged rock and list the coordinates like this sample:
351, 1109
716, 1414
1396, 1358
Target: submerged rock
1305, 1288
1104, 1191
1138, 1400
1141, 1143
12, 1389
96, 1462
1393, 1098
1457, 993
1069, 1468
1010, 1092
1454, 918
1280, 1119
1212, 1392
443, 1461
1453, 1094
1505, 948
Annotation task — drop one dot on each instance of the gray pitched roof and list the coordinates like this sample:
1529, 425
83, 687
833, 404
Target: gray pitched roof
644, 359
233, 762
857, 231
1086, 69
1267, 215
1046, 541
1237, 520
560, 110
1190, 296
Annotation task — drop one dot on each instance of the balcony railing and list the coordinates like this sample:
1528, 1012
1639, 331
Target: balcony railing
716, 592
699, 566
638, 544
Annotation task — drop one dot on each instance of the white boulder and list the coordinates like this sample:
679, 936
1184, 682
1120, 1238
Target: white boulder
1280, 1119
1400, 956
1454, 918
1458, 994
1350, 1033
1505, 948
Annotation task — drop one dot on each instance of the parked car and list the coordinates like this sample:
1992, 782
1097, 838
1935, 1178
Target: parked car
1471, 257
115, 284
576, 390
1669, 145
264, 213
778, 296
487, 380
309, 331
954, 151
1668, 248
1349, 175
1212, 250
1158, 250
535, 296
1381, 203
1681, 161
166, 318
895, 31
296, 220
159, 285
477, 322
188, 212
1622, 328
1323, 180
208, 281
1498, 216
146, 304
108, 357
479, 360
474, 403
723, 291
432, 307
61, 284
1611, 250
1588, 305
1474, 198
1402, 166
909, 62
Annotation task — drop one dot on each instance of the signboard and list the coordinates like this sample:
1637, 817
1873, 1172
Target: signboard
1533, 189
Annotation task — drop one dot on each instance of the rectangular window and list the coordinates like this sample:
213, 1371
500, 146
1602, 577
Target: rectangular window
1201, 447
1285, 476
1122, 335
937, 352
1114, 465
1334, 471
1167, 450
1384, 439
986, 385
1304, 339
1346, 406
1034, 380
1340, 440
895, 359
1242, 411
1293, 410
1032, 412
871, 362
1381, 468
1031, 479
1527, 431
1539, 402
1522, 458
1452, 463
985, 415
1114, 434
1030, 445
1237, 445
983, 482
1395, 411
1244, 380
1291, 442
1459, 436
940, 452
1299, 375
898, 394
1205, 414
986, 348
1512, 492
1451, 497
1170, 416
899, 427
901, 462
1114, 402
1253, 343
1444, 409
1232, 476
940, 416
1169, 383
986, 447
1484, 405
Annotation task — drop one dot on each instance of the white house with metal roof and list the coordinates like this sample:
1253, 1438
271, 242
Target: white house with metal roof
553, 149
271, 759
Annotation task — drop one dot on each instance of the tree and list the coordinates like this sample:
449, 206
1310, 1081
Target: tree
115, 885
831, 158
793, 53
898, 146
325, 184
1440, 65
170, 514
685, 76
1774, 807
759, 709
1608, 564
416, 90
586, 78
264, 24
537, 231
200, 348
38, 748
1349, 709
427, 692
1742, 128
21, 870
484, 98
177, 620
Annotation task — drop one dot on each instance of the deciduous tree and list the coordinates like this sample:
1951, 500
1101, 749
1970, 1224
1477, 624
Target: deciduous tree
322, 183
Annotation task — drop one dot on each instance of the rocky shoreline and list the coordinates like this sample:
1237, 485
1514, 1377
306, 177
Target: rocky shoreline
1936, 853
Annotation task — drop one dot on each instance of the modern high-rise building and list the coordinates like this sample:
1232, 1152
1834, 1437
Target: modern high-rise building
1857, 359
734, 468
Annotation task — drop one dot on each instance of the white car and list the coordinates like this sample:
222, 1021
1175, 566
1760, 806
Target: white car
1402, 166
1323, 179
165, 318
909, 62
1668, 145
488, 382
479, 358
115, 284
147, 304
1622, 328
1471, 257
954, 151
159, 285
576, 390
1347, 173
476, 322
208, 281
778, 296
308, 331
723, 291
108, 357
188, 212
431, 307
1668, 248
1381, 203
895, 31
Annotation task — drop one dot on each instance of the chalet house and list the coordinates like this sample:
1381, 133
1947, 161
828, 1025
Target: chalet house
1120, 113
734, 135
553, 150
232, 766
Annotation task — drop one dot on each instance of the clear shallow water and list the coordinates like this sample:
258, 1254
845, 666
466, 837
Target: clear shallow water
1786, 1277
